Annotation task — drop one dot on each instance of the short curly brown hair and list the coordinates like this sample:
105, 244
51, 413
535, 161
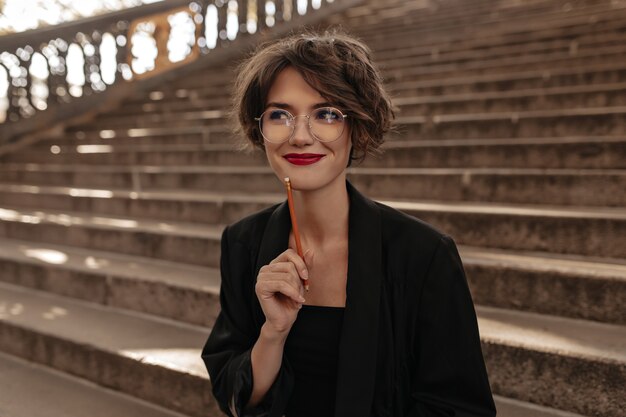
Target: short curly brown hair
337, 65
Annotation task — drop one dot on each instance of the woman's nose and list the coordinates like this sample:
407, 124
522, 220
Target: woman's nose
302, 134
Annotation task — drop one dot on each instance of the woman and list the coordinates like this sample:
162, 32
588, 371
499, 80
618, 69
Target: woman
388, 327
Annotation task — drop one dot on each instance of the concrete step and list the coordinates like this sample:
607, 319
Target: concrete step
557, 60
200, 118
576, 187
540, 152
172, 290
126, 152
170, 104
566, 285
457, 15
573, 230
515, 185
431, 15
595, 121
173, 135
560, 285
507, 53
557, 362
489, 11
189, 243
579, 38
143, 137
577, 230
31, 390
156, 360
203, 207
582, 96
158, 96
515, 344
604, 73
582, 37
567, 152
121, 152
508, 407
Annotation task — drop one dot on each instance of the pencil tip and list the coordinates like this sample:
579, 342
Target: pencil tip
286, 179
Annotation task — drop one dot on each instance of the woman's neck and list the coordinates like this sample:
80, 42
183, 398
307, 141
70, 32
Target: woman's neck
323, 214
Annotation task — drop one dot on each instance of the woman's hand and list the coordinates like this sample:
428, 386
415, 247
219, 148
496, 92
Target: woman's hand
280, 290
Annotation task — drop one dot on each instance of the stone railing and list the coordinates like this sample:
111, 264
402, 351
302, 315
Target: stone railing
50, 74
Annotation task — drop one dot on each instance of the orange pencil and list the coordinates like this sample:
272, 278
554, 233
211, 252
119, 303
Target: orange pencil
294, 226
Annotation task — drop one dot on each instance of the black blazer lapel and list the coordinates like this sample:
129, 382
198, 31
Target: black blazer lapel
275, 240
275, 236
358, 347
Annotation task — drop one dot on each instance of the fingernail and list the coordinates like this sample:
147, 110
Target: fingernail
305, 274
302, 300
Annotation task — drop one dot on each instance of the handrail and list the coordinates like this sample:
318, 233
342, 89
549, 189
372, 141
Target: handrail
68, 30
43, 89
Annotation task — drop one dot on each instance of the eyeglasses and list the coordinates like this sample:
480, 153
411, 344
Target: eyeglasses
326, 124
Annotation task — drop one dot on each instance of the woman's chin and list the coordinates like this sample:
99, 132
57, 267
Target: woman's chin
309, 183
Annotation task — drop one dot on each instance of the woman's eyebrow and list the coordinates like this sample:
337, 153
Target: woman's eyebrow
290, 107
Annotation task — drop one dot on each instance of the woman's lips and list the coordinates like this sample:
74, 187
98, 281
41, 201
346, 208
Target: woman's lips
303, 158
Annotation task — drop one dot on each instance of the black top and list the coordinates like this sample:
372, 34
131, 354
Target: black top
312, 349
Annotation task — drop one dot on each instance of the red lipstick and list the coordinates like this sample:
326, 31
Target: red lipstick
303, 158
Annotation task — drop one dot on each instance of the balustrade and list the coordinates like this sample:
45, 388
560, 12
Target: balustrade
57, 65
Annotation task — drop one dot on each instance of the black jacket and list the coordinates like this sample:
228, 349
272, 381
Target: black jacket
409, 346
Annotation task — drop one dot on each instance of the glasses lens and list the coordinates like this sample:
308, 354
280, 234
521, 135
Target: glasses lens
327, 124
276, 125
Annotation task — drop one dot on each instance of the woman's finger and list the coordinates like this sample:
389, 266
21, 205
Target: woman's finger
289, 276
286, 266
270, 287
291, 255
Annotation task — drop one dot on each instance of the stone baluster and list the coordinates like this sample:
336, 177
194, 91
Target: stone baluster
83, 41
201, 38
13, 112
242, 10
95, 60
122, 41
56, 56
222, 15
287, 10
261, 15
26, 60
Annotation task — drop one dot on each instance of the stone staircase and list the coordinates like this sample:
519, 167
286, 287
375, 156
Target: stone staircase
511, 138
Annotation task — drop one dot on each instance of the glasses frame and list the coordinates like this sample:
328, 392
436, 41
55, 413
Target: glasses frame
293, 120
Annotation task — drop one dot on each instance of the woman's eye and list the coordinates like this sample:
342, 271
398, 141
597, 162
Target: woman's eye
278, 115
327, 115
